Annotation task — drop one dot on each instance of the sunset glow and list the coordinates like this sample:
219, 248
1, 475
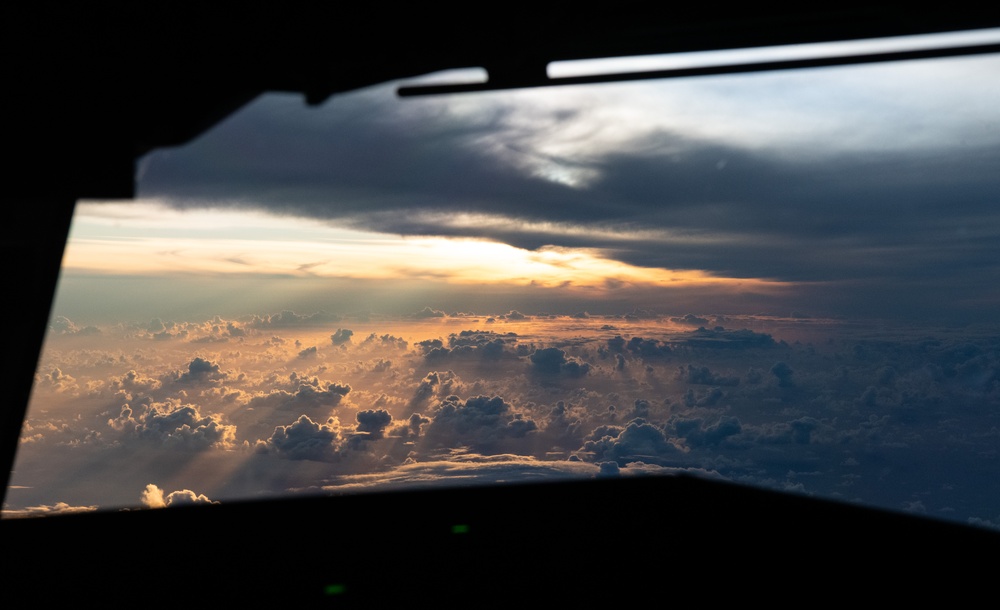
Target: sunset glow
164, 242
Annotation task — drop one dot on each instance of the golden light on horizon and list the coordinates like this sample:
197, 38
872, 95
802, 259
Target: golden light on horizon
147, 239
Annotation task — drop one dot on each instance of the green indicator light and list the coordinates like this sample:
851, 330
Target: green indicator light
334, 589
460, 529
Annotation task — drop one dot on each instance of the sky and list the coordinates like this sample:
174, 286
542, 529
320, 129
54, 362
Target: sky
787, 280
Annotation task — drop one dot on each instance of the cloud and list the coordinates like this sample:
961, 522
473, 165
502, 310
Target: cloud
290, 319
427, 312
62, 325
59, 381
175, 425
690, 320
305, 439
201, 371
374, 422
480, 421
59, 508
470, 345
696, 434
463, 467
677, 197
553, 361
720, 338
701, 375
440, 383
152, 497
342, 336
374, 340
783, 373
309, 393
648, 349
637, 441
931, 406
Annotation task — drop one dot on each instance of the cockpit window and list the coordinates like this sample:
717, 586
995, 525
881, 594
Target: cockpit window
787, 280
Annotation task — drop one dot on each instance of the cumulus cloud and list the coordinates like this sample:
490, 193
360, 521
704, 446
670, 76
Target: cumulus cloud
62, 325
480, 421
696, 433
783, 373
58, 380
374, 340
309, 393
470, 345
153, 497
305, 439
374, 422
647, 349
175, 425
433, 383
201, 371
637, 441
857, 405
553, 361
134, 384
702, 375
342, 336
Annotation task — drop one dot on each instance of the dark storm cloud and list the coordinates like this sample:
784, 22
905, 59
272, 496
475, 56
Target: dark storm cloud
787, 213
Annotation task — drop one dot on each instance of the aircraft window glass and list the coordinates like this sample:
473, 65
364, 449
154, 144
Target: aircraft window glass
782, 279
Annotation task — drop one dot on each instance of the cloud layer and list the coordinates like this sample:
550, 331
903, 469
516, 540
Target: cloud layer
904, 420
850, 211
